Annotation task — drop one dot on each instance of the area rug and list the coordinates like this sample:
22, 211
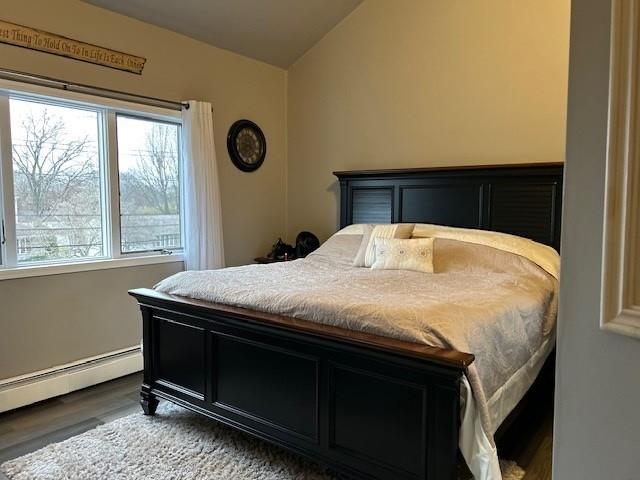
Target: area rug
174, 445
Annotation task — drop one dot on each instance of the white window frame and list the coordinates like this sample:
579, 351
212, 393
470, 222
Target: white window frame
109, 108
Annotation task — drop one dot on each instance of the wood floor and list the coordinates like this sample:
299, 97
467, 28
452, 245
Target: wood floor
528, 440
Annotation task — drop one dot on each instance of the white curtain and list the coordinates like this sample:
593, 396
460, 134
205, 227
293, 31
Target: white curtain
204, 247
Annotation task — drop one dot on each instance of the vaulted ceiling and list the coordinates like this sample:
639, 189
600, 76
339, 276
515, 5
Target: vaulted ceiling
273, 31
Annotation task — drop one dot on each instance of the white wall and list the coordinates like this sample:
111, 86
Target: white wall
597, 428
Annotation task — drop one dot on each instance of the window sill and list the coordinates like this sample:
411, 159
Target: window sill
102, 264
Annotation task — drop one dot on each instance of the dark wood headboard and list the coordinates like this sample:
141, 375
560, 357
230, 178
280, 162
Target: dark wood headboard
524, 200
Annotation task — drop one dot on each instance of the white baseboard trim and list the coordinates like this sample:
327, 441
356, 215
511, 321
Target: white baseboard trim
27, 389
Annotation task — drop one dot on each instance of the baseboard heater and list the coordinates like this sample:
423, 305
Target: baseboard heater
33, 387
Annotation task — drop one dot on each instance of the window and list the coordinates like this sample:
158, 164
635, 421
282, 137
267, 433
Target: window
56, 182
149, 173
83, 181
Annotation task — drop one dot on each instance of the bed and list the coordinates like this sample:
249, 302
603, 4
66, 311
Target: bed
367, 405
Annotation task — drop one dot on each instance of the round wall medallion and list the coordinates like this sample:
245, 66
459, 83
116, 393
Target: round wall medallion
246, 145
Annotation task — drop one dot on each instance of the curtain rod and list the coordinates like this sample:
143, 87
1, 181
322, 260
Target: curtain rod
44, 81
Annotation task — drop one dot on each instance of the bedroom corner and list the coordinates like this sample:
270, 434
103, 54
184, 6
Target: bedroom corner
357, 239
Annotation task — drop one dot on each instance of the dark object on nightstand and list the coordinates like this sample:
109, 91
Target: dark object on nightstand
280, 252
306, 242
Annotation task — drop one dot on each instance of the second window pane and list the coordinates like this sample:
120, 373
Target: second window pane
149, 170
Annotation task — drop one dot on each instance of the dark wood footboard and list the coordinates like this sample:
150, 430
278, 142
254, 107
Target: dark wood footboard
366, 406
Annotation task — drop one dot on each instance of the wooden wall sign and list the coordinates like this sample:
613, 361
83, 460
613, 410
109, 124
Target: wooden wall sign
21, 36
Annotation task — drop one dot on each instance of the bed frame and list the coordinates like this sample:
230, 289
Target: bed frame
368, 407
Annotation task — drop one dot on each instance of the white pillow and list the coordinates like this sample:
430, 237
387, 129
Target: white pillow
366, 254
395, 254
353, 229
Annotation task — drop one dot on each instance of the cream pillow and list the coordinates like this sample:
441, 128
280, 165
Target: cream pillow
366, 254
394, 254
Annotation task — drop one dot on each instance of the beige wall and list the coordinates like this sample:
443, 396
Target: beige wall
53, 320
597, 424
417, 83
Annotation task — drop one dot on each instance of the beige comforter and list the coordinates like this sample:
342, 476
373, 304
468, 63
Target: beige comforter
492, 303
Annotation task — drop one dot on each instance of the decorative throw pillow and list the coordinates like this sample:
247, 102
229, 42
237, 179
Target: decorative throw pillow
395, 254
366, 254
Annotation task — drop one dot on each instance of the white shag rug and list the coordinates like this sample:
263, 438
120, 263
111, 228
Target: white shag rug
176, 444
